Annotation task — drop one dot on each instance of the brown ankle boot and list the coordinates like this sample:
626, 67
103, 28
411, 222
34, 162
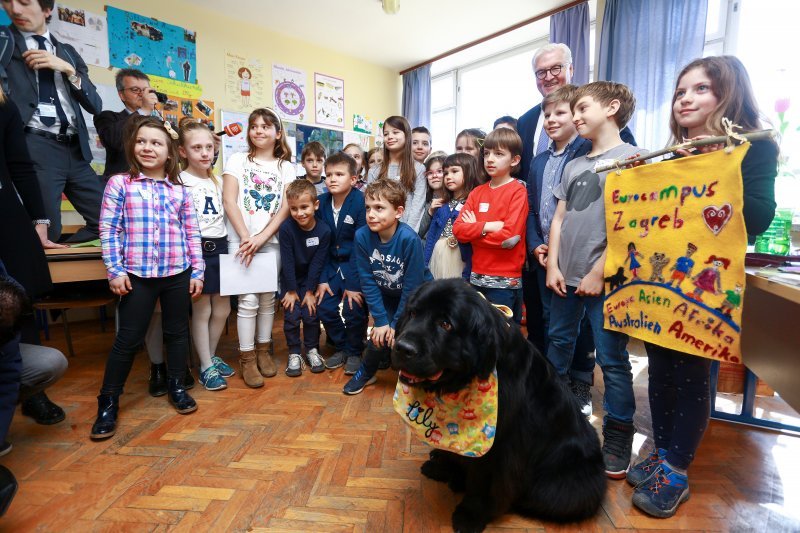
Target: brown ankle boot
250, 374
266, 364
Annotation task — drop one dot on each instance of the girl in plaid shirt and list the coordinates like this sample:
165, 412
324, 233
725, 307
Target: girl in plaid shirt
151, 249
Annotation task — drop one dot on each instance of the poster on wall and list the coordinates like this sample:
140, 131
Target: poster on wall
244, 81
289, 92
329, 100
362, 124
232, 144
152, 46
85, 31
352, 137
674, 270
176, 108
175, 87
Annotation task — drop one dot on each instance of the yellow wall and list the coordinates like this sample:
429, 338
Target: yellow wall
370, 89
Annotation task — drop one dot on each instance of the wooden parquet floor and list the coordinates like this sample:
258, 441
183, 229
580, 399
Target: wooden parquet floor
298, 455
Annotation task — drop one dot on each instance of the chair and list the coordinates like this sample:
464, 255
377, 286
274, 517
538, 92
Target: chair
63, 304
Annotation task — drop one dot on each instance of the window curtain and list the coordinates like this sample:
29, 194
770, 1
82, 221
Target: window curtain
417, 97
571, 27
645, 44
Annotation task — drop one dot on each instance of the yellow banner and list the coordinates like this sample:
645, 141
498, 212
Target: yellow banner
676, 245
177, 88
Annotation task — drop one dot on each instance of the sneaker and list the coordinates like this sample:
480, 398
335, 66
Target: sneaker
583, 393
5, 448
211, 379
617, 443
335, 361
295, 366
225, 370
358, 382
352, 365
662, 493
641, 472
315, 361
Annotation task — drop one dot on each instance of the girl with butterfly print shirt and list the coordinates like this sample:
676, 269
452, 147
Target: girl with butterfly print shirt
253, 196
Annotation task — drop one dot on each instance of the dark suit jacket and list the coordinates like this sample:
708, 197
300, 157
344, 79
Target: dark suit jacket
342, 248
526, 126
20, 204
110, 126
24, 91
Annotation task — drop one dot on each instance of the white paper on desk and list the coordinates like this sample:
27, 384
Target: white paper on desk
260, 276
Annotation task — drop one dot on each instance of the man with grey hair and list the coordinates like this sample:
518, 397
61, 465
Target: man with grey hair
133, 87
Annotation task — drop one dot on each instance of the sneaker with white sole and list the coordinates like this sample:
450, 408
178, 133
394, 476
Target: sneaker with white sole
315, 361
225, 370
295, 366
211, 379
662, 493
335, 361
358, 382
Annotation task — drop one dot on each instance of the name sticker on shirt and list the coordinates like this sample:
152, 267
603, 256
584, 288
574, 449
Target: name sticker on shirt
349, 220
47, 110
312, 241
483, 208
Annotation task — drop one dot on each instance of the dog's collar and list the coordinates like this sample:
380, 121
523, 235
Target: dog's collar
463, 422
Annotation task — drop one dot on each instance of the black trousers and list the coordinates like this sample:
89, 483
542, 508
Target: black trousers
135, 310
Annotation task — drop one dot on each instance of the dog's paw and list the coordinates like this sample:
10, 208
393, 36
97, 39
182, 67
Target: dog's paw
436, 470
465, 520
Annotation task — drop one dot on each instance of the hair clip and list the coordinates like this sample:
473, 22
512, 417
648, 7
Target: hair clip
172, 133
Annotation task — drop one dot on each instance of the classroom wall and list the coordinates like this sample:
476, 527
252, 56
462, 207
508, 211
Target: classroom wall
370, 89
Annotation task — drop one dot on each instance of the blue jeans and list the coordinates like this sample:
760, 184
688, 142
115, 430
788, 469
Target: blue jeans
612, 356
508, 297
582, 368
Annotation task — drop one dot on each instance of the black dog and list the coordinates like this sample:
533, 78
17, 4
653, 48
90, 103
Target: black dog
617, 280
546, 460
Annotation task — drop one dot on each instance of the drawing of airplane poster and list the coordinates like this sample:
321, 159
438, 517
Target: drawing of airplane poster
329, 99
152, 46
289, 91
85, 31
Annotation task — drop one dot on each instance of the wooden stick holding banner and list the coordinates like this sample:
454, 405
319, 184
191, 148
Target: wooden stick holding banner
720, 139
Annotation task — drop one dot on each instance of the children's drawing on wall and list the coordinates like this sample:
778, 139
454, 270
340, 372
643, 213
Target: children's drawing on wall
153, 46
289, 92
682, 219
362, 124
329, 100
83, 30
244, 81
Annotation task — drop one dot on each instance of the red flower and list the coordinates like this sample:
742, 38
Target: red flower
781, 105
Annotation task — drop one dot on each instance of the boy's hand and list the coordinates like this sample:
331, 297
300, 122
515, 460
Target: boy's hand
354, 296
289, 299
120, 286
382, 336
195, 288
468, 217
323, 288
436, 203
555, 281
591, 284
493, 226
310, 301
541, 254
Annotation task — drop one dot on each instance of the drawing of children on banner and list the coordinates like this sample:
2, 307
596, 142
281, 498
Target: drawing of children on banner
683, 208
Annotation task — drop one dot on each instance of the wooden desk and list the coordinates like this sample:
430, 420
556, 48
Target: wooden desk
76, 264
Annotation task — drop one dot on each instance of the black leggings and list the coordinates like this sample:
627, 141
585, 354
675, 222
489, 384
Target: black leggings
679, 402
135, 310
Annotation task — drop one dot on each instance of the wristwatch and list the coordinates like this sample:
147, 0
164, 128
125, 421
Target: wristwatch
74, 79
42, 221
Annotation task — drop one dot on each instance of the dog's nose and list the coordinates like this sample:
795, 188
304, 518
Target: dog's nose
405, 348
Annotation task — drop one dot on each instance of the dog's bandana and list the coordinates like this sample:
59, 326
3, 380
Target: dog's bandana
463, 422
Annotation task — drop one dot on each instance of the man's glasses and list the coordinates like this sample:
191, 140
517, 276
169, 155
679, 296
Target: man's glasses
136, 90
555, 70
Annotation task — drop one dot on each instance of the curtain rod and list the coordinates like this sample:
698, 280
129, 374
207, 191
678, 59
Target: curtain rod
518, 25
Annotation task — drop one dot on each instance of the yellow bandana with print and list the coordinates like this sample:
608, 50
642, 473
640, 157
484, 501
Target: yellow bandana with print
463, 422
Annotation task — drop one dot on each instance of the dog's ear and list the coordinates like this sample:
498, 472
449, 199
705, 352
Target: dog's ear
489, 331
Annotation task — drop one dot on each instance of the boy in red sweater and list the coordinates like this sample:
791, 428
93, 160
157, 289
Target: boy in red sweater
493, 221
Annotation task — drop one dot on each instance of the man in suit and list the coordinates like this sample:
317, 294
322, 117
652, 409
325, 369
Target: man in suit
49, 83
133, 87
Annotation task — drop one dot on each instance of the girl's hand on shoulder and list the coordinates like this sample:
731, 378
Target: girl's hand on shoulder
120, 286
195, 288
468, 217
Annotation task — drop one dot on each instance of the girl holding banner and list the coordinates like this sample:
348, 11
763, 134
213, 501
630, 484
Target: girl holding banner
707, 90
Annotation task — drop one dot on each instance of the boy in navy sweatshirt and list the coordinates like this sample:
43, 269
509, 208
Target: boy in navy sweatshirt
342, 209
304, 245
391, 266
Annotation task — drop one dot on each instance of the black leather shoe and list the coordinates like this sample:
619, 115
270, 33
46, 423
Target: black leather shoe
179, 398
158, 380
40, 408
188, 379
107, 411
